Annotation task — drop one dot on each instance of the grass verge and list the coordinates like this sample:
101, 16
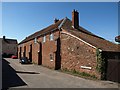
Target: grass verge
79, 74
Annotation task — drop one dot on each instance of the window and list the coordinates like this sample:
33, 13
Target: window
51, 36
44, 38
51, 57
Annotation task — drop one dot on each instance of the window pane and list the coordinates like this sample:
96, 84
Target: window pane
44, 38
51, 36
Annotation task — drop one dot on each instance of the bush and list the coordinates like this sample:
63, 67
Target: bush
9, 55
4, 55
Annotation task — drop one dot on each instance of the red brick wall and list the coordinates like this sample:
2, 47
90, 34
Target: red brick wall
75, 53
18, 51
48, 47
35, 49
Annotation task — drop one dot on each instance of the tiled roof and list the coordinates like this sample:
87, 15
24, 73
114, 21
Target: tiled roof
9, 41
82, 33
43, 31
91, 38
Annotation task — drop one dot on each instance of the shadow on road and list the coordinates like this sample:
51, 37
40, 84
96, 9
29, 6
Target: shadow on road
23, 72
9, 76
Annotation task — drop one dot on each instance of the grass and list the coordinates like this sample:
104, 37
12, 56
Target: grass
80, 74
76, 73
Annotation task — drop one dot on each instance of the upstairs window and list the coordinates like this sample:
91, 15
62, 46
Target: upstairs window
44, 38
51, 37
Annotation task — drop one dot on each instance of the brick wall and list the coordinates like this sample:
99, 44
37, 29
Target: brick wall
75, 53
27, 44
48, 50
9, 48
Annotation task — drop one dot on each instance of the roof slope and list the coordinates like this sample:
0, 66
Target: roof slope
91, 38
43, 31
9, 41
82, 33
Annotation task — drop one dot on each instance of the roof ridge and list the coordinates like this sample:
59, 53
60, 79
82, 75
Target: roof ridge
11, 39
44, 28
81, 29
85, 30
62, 22
42, 31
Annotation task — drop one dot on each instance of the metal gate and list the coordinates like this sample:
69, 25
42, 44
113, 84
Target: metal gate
113, 70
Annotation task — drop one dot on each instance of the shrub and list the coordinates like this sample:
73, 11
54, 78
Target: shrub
4, 55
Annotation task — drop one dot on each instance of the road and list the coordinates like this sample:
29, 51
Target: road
16, 75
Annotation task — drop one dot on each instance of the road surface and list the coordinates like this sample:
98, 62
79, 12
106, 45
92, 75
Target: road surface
16, 75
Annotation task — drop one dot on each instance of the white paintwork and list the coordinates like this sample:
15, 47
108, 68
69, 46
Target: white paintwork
62, 23
51, 60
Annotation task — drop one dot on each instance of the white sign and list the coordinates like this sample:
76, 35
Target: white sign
85, 67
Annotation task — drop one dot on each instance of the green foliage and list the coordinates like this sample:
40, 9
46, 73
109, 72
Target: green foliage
82, 74
100, 62
33, 62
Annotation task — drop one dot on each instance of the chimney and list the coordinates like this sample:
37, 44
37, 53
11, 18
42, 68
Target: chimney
56, 20
3, 37
75, 19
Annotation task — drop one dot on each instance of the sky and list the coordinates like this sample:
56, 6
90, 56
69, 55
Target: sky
21, 19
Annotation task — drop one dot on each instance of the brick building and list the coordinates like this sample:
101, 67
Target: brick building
9, 46
66, 45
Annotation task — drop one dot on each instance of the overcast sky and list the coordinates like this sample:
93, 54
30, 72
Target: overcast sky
20, 20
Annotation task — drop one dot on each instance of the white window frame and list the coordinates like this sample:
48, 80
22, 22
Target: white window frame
51, 37
44, 38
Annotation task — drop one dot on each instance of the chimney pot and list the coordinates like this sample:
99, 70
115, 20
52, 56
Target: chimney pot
3, 37
56, 20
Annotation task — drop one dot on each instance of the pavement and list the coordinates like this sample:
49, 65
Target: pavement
16, 75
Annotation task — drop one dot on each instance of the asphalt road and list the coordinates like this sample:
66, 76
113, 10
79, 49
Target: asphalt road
16, 75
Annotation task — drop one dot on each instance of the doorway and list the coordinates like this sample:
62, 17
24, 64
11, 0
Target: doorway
40, 54
24, 53
57, 55
20, 52
30, 53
